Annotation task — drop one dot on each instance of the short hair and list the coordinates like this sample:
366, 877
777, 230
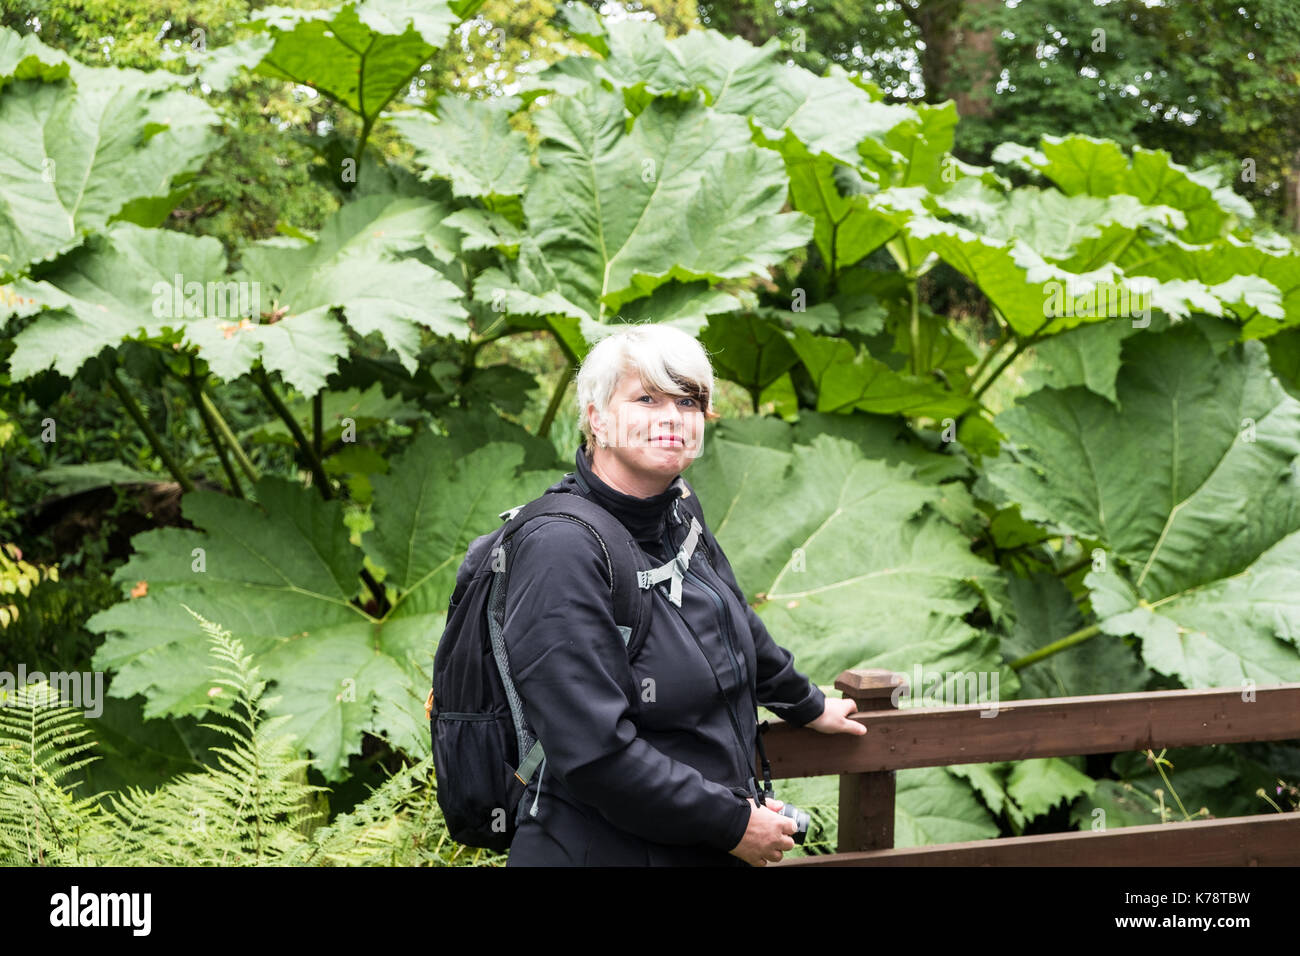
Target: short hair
663, 356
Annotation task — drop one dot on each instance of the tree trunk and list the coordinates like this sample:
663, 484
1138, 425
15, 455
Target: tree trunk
959, 62
1293, 193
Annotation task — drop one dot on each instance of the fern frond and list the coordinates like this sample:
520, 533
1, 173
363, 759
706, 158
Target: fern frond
254, 805
398, 824
41, 822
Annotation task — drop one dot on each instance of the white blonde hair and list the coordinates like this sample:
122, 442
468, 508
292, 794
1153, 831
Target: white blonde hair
664, 357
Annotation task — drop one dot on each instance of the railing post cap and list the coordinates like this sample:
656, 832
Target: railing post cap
868, 682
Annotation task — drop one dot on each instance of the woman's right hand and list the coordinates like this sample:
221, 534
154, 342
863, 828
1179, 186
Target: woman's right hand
767, 835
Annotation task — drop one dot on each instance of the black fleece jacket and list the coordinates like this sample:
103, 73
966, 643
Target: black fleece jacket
645, 764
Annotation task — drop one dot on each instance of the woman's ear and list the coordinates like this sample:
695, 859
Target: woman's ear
597, 425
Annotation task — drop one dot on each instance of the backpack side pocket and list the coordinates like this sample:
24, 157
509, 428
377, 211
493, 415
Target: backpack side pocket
471, 799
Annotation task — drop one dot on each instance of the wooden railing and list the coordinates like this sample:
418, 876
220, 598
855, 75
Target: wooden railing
1022, 729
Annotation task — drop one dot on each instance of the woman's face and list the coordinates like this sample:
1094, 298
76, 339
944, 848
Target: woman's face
649, 432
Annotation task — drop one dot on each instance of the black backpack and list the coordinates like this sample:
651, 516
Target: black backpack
484, 752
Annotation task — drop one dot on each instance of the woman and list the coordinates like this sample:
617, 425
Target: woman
645, 763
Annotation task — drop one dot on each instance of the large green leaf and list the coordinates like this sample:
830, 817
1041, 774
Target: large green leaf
128, 283
25, 57
353, 266
360, 55
1191, 488
1087, 355
933, 806
748, 350
683, 195
1041, 297
281, 574
137, 282
1267, 274
849, 558
851, 221
1098, 167
1026, 789
887, 438
849, 378
470, 142
77, 149
831, 115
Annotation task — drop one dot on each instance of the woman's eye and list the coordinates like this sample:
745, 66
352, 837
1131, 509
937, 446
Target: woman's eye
691, 400
644, 396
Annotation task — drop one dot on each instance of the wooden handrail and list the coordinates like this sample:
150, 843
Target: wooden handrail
1023, 729
1264, 840
1049, 727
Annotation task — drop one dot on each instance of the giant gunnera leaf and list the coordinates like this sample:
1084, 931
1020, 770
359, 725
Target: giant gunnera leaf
127, 283
1191, 488
359, 266
1085, 165
82, 146
282, 574
470, 142
360, 55
283, 310
831, 115
849, 560
618, 212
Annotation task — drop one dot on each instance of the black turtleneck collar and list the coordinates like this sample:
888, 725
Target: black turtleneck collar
644, 517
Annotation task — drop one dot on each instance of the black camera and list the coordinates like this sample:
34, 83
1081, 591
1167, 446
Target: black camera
800, 817
801, 820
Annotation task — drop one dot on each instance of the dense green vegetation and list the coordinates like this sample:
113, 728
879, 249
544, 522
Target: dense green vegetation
292, 306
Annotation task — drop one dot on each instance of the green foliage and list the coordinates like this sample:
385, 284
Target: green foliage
41, 822
1204, 585
283, 572
1211, 82
252, 807
836, 535
914, 502
69, 135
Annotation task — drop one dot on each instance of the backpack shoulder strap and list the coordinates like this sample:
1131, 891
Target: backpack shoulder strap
630, 612
614, 539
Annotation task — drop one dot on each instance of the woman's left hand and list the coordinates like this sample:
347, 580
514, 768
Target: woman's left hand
835, 718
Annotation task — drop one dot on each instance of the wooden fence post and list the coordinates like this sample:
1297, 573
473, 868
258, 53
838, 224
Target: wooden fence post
866, 818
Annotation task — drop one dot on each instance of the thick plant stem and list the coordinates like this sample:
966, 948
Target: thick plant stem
366, 125
231, 441
992, 350
557, 396
317, 406
150, 435
1078, 637
281, 409
318, 474
1021, 345
916, 324
196, 389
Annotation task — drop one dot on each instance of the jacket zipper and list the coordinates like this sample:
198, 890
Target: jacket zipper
723, 616
747, 764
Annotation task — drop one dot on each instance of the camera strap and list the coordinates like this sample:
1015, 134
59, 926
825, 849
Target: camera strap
767, 790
